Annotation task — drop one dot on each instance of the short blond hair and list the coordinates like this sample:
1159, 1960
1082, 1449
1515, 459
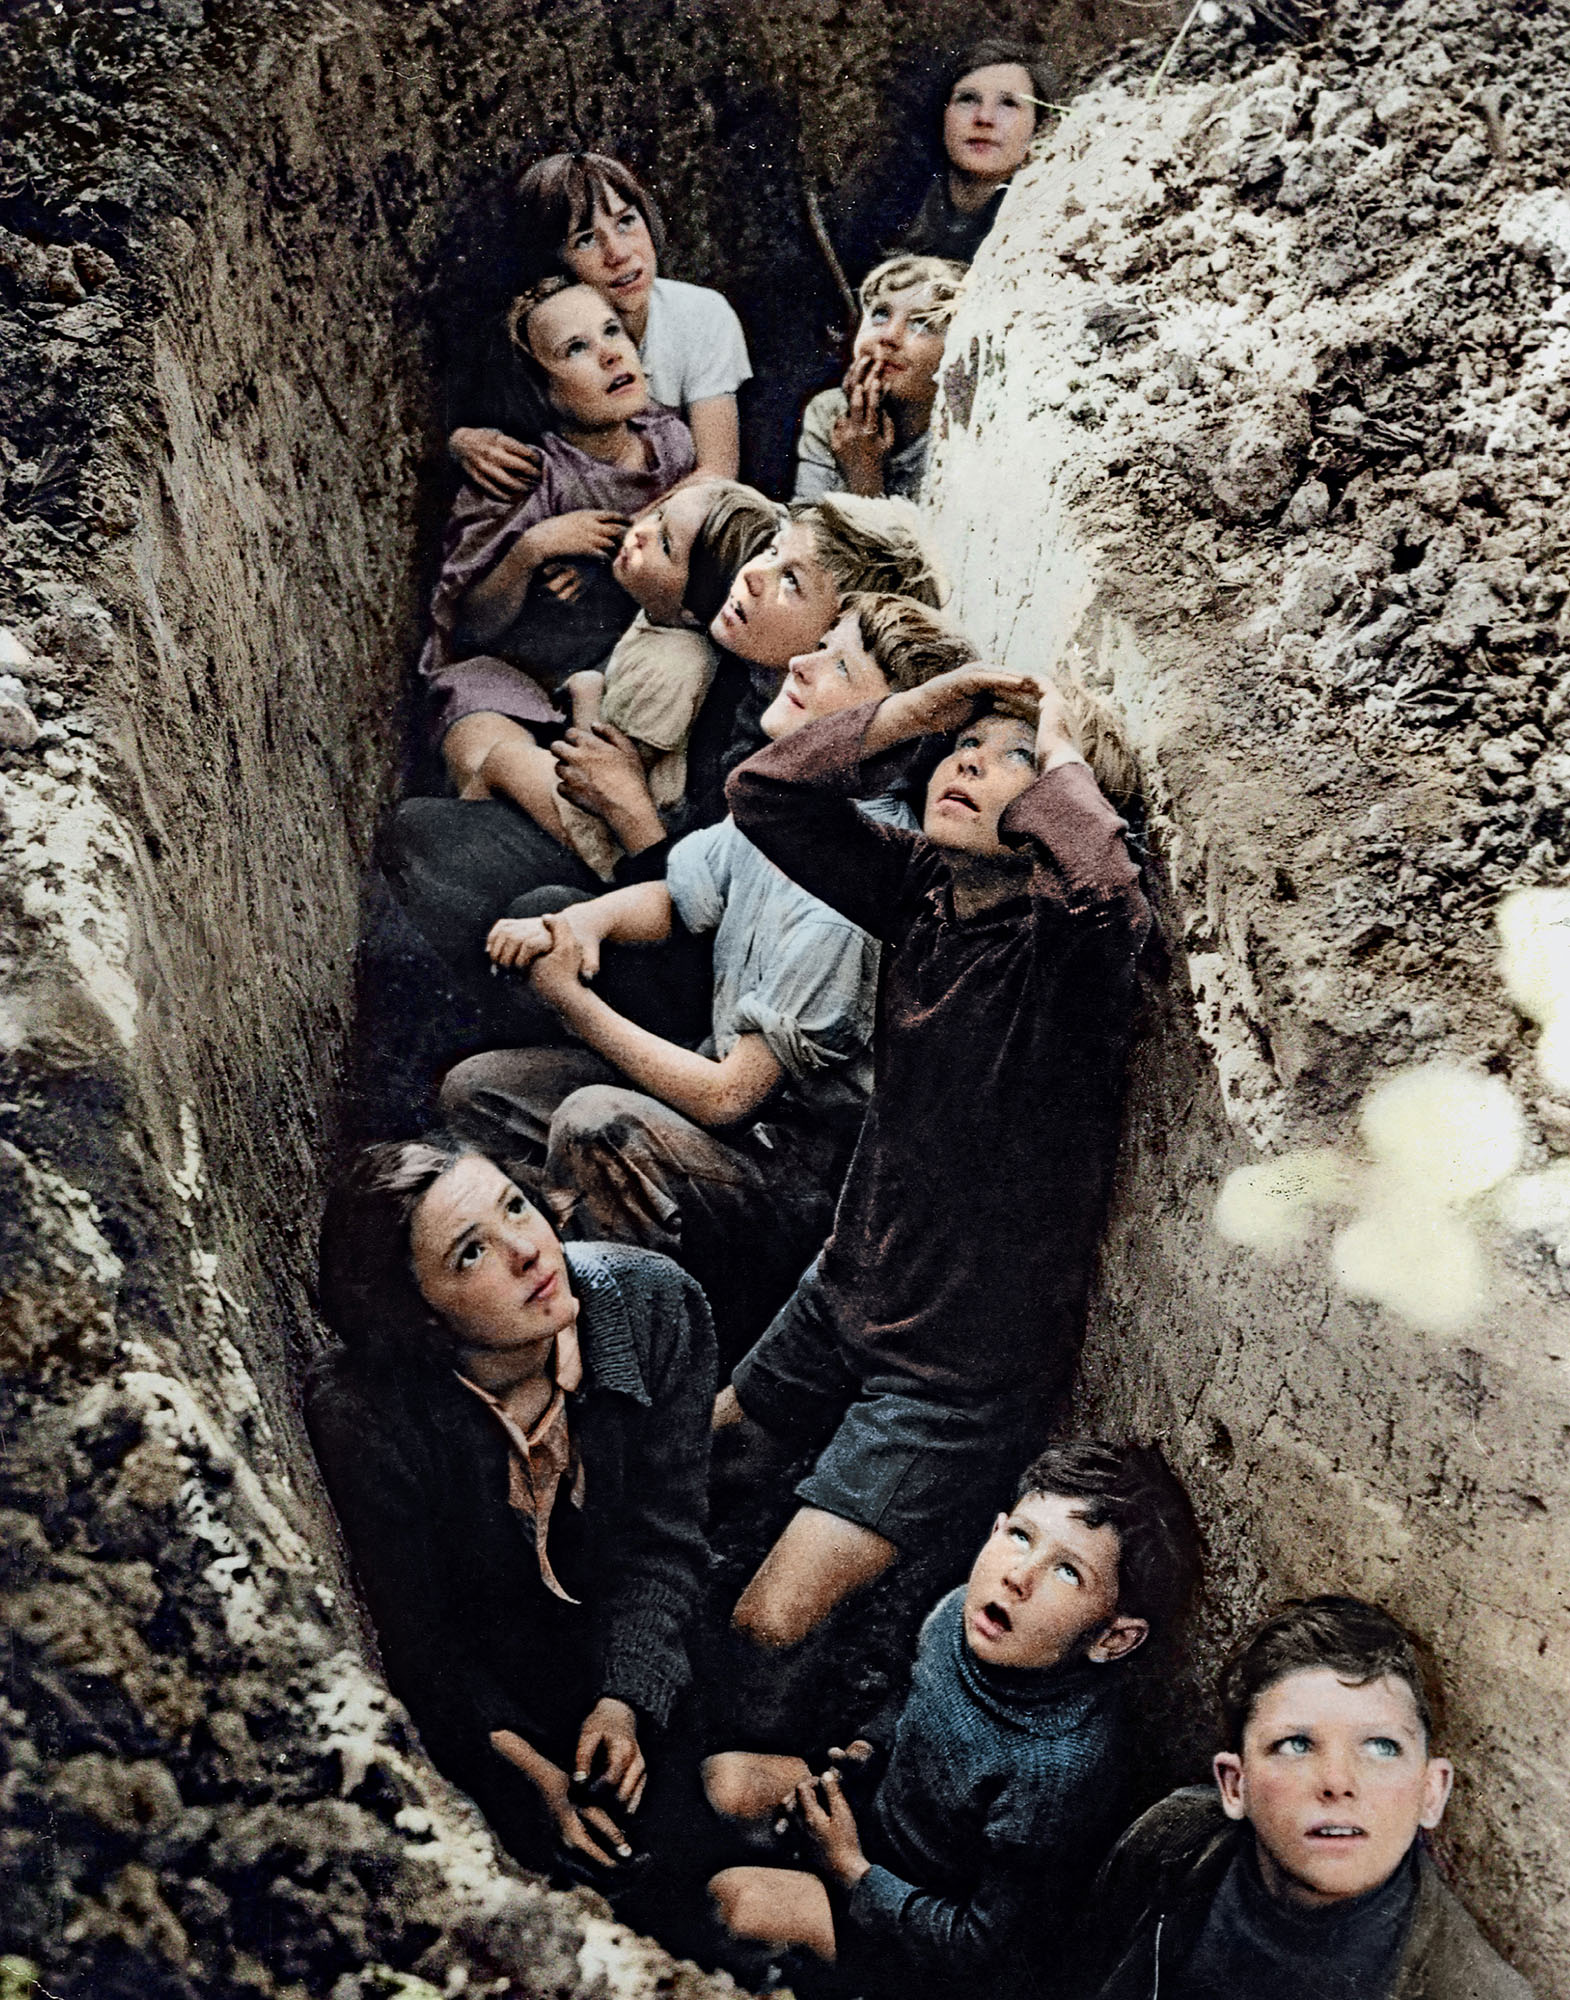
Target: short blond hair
1097, 730
941, 276
873, 545
907, 638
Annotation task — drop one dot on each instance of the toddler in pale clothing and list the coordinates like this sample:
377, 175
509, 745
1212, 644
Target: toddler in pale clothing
677, 561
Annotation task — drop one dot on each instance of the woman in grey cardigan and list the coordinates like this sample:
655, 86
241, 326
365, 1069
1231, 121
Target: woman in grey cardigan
514, 1434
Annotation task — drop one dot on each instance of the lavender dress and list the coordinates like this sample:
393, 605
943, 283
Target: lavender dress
549, 639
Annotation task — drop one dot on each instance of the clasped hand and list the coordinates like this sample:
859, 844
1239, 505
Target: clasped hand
609, 1761
819, 1807
557, 954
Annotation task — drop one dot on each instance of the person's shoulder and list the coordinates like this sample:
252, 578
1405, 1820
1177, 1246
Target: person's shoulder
1178, 1828
823, 411
626, 1292
695, 305
1448, 1958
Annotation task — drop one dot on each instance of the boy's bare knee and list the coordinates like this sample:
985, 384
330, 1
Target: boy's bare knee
735, 1899
725, 1783
471, 740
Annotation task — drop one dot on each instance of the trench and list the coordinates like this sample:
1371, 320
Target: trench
207, 1792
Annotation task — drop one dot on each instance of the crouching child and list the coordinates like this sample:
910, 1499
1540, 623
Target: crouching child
988, 1797
1305, 1874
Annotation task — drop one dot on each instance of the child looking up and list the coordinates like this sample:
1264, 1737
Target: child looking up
503, 640
676, 562
991, 1791
1305, 1874
728, 1157
870, 434
588, 215
925, 1346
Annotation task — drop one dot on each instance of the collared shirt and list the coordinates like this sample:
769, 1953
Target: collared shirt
544, 1454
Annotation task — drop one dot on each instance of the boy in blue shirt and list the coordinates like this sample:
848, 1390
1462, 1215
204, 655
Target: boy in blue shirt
1005, 1766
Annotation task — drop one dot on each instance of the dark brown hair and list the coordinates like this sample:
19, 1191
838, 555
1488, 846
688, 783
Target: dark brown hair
1357, 1642
559, 195
988, 54
739, 525
365, 1286
1131, 1489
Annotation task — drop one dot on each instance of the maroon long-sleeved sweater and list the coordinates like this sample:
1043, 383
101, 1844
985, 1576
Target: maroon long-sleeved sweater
965, 1233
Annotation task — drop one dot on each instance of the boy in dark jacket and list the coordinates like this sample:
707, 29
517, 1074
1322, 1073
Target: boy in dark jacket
1305, 1876
1005, 1765
924, 1348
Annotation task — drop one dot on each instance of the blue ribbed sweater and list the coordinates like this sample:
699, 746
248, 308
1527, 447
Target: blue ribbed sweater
1001, 1795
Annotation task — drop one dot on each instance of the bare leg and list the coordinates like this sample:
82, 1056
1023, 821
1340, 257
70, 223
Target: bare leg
751, 1785
469, 742
520, 770
775, 1906
817, 1563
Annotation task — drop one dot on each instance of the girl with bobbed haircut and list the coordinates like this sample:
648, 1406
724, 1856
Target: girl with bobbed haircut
588, 216
514, 1436
989, 102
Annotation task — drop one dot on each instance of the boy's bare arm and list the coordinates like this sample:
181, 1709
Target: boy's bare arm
709, 1092
640, 914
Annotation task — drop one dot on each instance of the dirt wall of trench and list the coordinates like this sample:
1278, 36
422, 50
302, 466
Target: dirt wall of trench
222, 227
1271, 366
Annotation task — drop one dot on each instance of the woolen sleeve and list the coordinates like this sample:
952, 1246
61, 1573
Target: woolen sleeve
796, 801
659, 1560
944, 1938
1081, 860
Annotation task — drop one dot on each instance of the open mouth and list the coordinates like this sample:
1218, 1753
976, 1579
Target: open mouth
628, 280
620, 384
955, 800
991, 1622
731, 613
1335, 1831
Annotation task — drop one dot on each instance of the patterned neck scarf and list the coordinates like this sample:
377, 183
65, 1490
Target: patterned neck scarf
545, 1454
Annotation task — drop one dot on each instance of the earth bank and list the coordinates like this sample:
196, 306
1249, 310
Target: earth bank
1323, 573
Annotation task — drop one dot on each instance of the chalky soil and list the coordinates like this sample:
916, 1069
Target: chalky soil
1259, 398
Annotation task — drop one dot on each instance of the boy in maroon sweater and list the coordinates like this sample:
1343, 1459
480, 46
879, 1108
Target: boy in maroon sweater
928, 1341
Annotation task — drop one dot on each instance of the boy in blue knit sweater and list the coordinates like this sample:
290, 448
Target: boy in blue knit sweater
1005, 1766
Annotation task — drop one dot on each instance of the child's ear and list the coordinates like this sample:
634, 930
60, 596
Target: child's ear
1228, 1767
1437, 1781
1119, 1637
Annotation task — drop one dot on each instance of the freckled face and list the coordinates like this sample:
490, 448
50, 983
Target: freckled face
781, 603
488, 1262
838, 673
1336, 1781
651, 564
896, 330
990, 121
992, 762
1042, 1582
590, 360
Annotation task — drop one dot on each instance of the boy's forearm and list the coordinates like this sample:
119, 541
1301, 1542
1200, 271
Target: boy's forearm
638, 914
708, 1092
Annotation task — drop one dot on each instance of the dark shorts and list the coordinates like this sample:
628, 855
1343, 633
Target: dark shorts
919, 1468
